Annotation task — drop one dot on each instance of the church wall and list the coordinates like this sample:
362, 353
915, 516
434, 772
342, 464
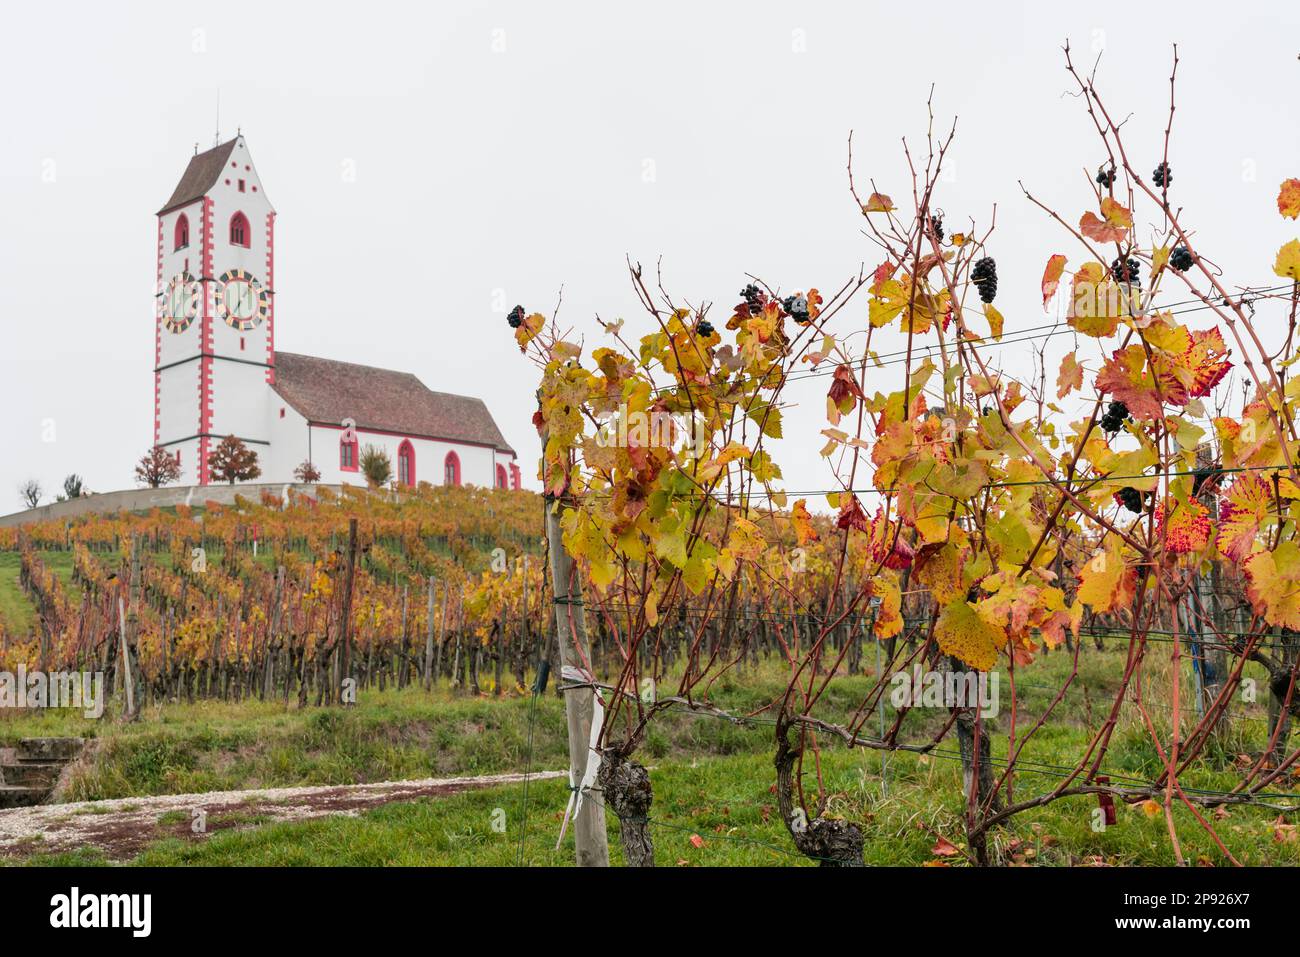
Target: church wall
477, 463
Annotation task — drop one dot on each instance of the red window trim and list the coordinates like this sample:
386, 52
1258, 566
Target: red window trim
502, 480
182, 234
240, 221
355, 466
409, 449
453, 460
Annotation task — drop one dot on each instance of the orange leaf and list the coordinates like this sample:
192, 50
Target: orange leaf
878, 203
1288, 199
1070, 376
697, 841
944, 848
1052, 277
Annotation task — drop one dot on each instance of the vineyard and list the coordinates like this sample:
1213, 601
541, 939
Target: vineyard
1080, 586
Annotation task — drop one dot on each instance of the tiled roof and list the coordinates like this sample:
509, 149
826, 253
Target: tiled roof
200, 176
328, 391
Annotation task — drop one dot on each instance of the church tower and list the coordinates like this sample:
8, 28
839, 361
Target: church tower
214, 354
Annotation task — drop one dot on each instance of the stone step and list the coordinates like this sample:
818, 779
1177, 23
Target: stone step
16, 796
49, 749
36, 774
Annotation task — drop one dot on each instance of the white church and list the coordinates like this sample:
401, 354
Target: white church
217, 372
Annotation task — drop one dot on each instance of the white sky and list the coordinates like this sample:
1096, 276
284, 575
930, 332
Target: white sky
524, 169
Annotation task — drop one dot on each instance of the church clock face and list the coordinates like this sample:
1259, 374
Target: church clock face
179, 303
241, 300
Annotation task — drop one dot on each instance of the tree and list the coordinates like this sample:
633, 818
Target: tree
157, 467
307, 473
232, 461
31, 493
376, 465
72, 487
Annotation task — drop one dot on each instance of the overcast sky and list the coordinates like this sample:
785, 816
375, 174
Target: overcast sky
501, 150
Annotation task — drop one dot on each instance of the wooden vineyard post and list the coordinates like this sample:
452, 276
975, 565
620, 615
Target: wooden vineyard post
428, 640
589, 835
345, 625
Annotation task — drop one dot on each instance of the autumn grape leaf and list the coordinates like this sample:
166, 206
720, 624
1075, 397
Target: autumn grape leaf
1241, 513
852, 515
878, 203
1112, 227
529, 329
1288, 199
1288, 261
963, 633
1052, 277
1106, 582
995, 320
1188, 528
843, 395
803, 526
1127, 379
888, 616
1273, 584
1070, 376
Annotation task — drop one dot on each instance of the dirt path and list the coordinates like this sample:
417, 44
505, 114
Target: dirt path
122, 828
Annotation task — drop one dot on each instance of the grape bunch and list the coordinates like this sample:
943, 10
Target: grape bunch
1181, 259
704, 328
936, 223
753, 297
1106, 178
1116, 415
797, 308
1163, 175
1130, 498
985, 278
516, 317
1126, 270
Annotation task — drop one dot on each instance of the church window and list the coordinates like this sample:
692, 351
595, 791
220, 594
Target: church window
406, 464
241, 185
182, 232
501, 476
451, 469
239, 231
348, 456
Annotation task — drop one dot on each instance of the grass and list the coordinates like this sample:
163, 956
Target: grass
17, 613
712, 778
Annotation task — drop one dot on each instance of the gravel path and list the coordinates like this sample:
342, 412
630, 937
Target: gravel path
123, 827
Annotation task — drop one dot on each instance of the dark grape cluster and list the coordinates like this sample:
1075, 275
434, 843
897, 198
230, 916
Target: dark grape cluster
516, 317
797, 308
936, 223
1163, 175
1181, 259
1130, 498
753, 297
1116, 415
1126, 270
985, 278
1106, 178
705, 328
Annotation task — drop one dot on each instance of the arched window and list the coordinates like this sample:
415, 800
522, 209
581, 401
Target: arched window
501, 477
406, 464
451, 469
348, 455
240, 234
182, 232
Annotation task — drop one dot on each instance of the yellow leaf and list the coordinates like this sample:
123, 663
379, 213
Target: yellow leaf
1106, 581
995, 320
963, 633
1070, 377
878, 203
1288, 261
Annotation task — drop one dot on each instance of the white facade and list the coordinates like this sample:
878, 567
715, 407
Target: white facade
214, 368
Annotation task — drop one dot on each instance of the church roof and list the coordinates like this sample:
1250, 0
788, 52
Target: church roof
200, 176
328, 391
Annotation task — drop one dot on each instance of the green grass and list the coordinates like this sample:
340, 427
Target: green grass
712, 778
17, 613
